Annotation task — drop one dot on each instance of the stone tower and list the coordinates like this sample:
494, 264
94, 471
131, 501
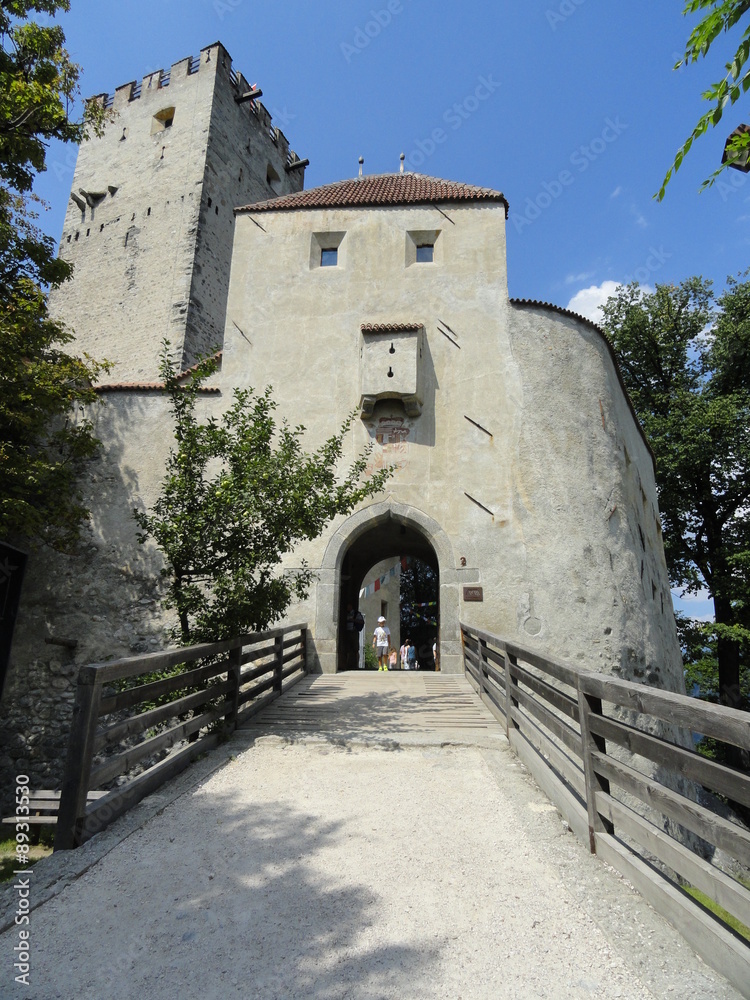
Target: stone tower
150, 222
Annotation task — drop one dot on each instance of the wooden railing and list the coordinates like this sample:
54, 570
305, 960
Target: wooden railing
125, 719
617, 759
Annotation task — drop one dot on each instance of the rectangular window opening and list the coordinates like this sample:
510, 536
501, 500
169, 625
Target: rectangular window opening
425, 253
324, 250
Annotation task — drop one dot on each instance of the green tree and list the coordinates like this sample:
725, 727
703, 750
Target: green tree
720, 17
43, 437
239, 493
685, 359
419, 605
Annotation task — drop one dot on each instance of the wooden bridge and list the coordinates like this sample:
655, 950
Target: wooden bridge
398, 707
615, 758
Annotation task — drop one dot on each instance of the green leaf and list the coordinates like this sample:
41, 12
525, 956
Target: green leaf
719, 17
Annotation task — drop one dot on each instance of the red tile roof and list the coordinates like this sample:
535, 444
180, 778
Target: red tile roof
389, 327
148, 387
158, 386
380, 189
536, 303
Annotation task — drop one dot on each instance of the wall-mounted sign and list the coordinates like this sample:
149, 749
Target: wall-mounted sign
473, 594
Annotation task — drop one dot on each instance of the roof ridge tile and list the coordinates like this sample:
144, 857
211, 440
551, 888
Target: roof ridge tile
373, 190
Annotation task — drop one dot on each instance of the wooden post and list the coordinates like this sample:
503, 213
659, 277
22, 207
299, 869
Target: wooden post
75, 787
481, 648
510, 701
278, 666
234, 674
304, 639
590, 742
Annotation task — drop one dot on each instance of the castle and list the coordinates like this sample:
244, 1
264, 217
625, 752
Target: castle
522, 477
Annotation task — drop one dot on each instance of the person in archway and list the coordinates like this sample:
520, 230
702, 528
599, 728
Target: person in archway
411, 656
381, 643
355, 622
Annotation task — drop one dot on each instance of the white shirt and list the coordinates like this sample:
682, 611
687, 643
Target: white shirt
382, 635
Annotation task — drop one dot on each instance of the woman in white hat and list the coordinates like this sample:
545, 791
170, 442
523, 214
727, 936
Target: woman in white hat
381, 643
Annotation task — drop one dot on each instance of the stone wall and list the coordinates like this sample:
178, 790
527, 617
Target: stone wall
106, 598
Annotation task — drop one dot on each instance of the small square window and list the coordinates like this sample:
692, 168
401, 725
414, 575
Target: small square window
422, 247
326, 250
162, 120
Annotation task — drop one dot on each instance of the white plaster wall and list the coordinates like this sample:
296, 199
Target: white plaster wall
600, 589
542, 507
390, 592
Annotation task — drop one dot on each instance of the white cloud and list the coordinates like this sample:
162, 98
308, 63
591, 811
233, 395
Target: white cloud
699, 607
640, 218
588, 301
617, 191
700, 595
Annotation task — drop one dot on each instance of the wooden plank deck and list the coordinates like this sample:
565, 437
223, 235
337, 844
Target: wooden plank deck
401, 706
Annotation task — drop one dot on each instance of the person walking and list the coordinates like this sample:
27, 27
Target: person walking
411, 656
402, 652
381, 643
352, 636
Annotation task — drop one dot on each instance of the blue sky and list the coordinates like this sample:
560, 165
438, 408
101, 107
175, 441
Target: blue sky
570, 107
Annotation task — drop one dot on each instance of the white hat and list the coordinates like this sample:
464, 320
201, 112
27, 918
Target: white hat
381, 619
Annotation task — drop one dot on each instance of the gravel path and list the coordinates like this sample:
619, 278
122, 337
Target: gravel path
326, 871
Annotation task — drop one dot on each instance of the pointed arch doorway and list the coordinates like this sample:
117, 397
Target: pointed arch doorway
400, 548
385, 530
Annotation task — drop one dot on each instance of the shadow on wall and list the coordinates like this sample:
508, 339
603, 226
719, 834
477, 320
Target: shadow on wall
105, 598
391, 428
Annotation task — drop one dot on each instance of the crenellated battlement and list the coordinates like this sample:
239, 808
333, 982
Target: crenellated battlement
159, 79
216, 59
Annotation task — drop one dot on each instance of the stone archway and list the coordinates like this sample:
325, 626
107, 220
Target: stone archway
391, 524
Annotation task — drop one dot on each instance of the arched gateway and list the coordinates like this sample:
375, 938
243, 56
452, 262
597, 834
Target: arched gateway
379, 532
